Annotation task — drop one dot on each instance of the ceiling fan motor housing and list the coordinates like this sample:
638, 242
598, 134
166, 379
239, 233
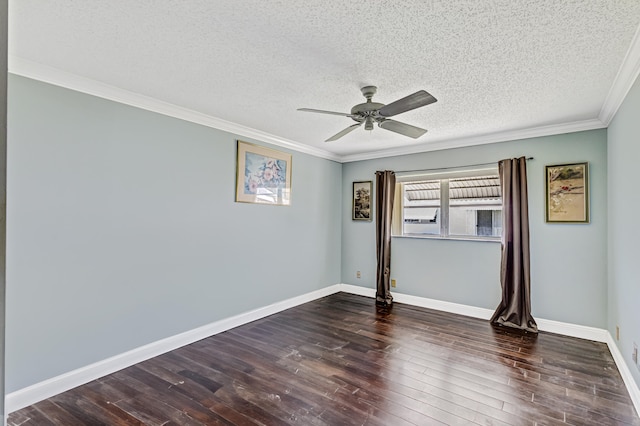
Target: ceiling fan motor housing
367, 111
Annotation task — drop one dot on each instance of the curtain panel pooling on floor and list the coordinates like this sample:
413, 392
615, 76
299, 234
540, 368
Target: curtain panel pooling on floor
385, 190
515, 268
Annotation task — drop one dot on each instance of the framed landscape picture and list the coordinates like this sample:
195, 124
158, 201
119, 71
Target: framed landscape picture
263, 175
567, 193
361, 200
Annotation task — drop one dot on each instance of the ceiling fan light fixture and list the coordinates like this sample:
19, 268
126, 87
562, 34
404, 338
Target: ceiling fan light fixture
368, 125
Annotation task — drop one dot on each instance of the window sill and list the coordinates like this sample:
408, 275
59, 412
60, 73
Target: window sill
451, 237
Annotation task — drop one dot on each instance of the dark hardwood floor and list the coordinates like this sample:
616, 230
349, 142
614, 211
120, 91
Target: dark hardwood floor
341, 360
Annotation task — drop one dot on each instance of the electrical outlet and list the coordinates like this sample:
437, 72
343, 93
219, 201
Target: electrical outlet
634, 355
617, 332
393, 283
358, 275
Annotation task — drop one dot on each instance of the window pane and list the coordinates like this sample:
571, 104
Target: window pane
421, 208
475, 206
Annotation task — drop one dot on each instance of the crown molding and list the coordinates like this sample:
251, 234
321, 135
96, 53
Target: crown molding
627, 75
509, 135
57, 77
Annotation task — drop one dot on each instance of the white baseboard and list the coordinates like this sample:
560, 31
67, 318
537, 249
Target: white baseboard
573, 330
439, 305
46, 389
55, 385
360, 291
623, 368
566, 329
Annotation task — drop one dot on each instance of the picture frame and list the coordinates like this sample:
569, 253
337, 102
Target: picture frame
263, 175
567, 193
361, 205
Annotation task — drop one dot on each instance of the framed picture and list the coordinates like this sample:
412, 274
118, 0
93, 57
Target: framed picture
263, 175
567, 192
361, 201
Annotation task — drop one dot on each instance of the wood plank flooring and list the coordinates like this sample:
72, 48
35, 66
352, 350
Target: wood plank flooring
341, 360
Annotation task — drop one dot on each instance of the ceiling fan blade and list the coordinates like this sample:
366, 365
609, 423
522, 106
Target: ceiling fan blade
402, 128
344, 132
321, 111
417, 100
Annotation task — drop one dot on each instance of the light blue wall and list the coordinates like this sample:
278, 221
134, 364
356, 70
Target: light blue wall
624, 229
569, 261
123, 230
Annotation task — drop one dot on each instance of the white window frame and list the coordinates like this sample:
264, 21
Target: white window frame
443, 177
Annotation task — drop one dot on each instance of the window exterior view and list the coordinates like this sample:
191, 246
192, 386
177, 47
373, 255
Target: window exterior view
458, 207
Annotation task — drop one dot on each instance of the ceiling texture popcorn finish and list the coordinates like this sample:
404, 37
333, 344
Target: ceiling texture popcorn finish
500, 70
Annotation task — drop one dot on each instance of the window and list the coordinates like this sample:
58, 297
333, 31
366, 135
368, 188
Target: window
421, 208
460, 206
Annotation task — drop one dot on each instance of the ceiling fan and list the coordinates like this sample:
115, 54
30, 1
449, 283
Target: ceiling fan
369, 112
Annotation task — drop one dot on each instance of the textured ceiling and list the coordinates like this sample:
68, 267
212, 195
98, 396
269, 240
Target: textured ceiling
494, 66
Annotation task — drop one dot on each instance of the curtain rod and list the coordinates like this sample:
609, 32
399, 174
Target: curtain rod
451, 167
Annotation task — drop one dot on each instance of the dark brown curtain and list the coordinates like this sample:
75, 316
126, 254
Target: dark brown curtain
385, 188
515, 269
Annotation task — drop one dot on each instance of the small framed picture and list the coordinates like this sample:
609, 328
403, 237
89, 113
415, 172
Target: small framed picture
263, 175
361, 200
567, 193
